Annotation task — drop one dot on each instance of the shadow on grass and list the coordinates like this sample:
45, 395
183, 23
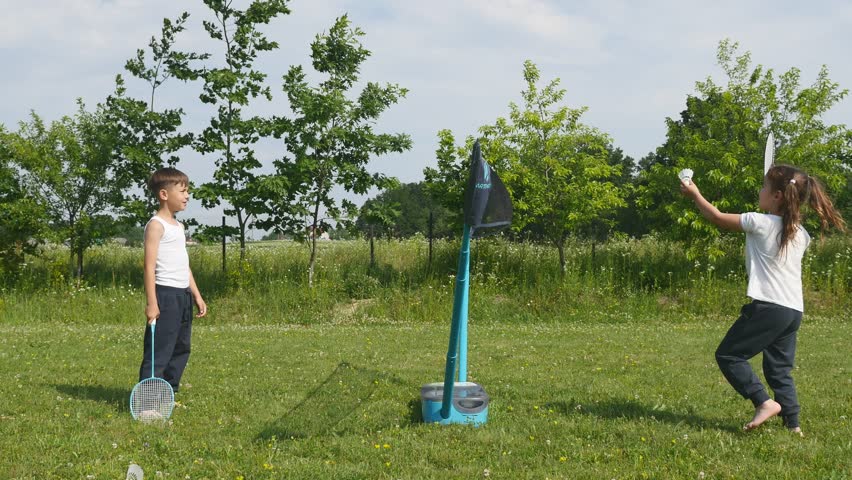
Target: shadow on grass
118, 398
324, 410
633, 410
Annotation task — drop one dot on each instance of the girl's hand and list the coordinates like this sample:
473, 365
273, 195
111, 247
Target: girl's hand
689, 190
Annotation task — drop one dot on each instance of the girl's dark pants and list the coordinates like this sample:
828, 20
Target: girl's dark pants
771, 329
172, 336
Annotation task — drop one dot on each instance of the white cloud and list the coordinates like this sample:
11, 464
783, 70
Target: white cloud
631, 63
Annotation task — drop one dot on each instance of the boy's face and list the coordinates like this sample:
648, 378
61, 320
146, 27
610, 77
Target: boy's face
175, 197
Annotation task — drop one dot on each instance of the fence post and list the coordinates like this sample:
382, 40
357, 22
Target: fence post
431, 224
223, 244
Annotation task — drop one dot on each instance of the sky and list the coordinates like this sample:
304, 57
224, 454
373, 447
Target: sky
632, 64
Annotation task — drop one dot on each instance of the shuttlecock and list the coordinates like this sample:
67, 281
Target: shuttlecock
149, 416
685, 176
134, 472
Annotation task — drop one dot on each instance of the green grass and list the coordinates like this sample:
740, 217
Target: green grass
572, 400
607, 372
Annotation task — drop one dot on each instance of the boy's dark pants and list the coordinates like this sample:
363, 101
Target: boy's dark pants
771, 329
172, 336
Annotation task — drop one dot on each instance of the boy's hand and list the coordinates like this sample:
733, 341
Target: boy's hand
202, 307
689, 190
152, 312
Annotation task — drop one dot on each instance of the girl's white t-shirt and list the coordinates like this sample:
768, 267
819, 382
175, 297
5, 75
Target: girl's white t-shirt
172, 268
772, 276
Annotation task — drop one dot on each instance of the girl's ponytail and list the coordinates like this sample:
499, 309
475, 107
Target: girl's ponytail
799, 189
821, 204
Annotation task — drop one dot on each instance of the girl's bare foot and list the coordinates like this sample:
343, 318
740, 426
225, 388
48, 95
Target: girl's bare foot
797, 431
762, 413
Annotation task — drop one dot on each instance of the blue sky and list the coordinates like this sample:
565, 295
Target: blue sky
631, 63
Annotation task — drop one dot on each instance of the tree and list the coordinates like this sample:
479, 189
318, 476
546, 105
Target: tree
230, 135
721, 136
415, 206
69, 169
147, 139
556, 168
22, 219
378, 218
331, 137
446, 183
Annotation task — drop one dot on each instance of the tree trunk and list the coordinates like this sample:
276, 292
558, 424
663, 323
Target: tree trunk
593, 255
560, 245
313, 247
372, 249
313, 257
79, 265
242, 224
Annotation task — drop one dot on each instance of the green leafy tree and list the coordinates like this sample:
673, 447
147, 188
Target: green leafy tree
721, 136
557, 169
446, 183
415, 206
68, 167
377, 218
331, 138
147, 139
22, 220
231, 135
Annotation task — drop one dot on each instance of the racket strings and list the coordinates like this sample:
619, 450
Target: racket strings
152, 399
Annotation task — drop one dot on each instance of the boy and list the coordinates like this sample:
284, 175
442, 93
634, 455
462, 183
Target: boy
169, 286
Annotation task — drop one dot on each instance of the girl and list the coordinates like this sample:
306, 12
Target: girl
775, 244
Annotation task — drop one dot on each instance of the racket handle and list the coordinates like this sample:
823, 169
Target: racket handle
153, 329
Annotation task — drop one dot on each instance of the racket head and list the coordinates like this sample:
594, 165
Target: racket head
769, 153
152, 400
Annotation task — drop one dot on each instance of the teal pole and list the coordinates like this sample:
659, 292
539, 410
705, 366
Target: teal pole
458, 324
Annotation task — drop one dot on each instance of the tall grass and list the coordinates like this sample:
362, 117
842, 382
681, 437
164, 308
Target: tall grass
622, 279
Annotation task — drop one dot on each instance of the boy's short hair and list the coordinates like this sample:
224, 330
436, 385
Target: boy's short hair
164, 177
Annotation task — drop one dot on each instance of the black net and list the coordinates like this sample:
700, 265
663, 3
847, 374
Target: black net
487, 206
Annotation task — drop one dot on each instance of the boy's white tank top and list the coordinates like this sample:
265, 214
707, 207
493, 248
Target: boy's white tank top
172, 268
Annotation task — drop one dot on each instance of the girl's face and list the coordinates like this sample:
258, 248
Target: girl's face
769, 200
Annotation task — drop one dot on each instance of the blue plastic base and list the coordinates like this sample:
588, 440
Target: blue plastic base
469, 406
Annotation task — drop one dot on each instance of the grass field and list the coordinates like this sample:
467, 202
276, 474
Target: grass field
606, 373
583, 400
